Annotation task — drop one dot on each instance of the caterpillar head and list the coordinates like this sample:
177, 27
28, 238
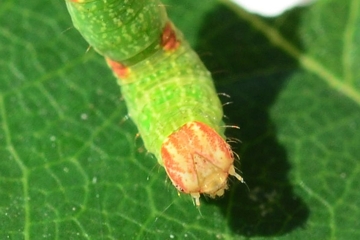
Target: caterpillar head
198, 160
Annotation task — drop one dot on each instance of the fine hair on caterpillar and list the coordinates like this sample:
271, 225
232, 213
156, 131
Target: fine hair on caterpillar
169, 93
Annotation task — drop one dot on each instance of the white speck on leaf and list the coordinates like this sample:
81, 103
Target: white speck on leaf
84, 116
94, 180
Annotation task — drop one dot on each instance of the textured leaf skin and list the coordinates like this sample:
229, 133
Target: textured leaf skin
65, 177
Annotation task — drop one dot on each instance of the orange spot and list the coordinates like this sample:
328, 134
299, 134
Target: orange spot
120, 70
168, 38
198, 160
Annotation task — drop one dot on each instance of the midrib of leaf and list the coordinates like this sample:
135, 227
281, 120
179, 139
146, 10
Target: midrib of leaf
24, 179
308, 63
348, 43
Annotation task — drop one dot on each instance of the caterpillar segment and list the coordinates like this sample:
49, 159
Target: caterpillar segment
168, 91
198, 161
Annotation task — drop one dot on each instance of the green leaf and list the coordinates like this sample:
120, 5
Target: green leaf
72, 168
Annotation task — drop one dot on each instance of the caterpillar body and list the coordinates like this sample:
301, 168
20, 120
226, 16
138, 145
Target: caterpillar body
169, 93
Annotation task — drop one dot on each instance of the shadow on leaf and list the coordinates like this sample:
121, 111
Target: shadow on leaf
253, 72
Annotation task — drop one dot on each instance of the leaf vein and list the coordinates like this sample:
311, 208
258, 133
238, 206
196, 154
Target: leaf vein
308, 63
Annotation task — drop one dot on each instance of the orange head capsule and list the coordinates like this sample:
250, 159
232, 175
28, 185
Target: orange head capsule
198, 160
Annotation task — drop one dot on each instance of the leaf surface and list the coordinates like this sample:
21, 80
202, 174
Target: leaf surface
72, 168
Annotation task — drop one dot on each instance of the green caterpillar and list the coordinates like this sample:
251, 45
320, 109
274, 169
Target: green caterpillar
169, 93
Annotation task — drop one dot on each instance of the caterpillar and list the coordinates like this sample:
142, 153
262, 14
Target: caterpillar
168, 91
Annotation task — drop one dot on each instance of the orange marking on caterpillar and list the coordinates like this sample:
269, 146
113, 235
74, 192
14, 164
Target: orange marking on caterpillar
120, 70
198, 160
168, 38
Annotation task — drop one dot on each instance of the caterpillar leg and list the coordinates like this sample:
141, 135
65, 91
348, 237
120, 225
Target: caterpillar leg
198, 161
